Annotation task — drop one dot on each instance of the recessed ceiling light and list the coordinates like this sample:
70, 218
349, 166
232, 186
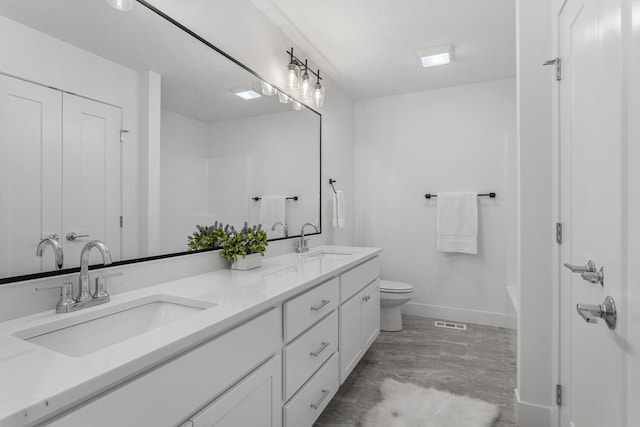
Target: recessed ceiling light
436, 56
245, 93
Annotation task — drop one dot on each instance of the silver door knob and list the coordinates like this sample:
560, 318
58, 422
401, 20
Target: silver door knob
590, 267
605, 311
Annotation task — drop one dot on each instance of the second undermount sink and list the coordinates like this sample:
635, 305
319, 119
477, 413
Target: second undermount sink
94, 330
327, 254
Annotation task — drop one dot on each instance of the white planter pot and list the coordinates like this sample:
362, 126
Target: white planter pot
248, 262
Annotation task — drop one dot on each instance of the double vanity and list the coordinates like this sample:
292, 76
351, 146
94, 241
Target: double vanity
265, 347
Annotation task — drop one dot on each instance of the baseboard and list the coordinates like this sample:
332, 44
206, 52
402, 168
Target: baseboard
487, 318
531, 415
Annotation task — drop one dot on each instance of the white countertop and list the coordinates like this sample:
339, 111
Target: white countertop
36, 382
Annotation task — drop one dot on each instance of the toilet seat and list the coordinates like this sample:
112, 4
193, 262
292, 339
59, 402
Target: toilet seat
391, 287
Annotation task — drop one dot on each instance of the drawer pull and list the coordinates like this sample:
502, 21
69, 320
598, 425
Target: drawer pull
366, 298
316, 405
320, 350
319, 306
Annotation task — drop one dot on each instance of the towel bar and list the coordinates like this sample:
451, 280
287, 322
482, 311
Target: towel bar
492, 195
257, 199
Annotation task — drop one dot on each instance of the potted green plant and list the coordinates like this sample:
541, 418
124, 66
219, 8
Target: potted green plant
207, 237
244, 248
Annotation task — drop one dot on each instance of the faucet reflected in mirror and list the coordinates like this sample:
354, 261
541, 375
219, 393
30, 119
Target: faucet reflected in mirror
84, 299
284, 227
53, 241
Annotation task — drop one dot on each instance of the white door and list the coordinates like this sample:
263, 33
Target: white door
91, 177
30, 168
591, 206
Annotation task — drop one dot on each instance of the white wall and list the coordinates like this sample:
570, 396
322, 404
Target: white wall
283, 159
184, 185
454, 139
536, 241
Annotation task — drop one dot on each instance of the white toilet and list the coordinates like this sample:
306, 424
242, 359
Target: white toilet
392, 296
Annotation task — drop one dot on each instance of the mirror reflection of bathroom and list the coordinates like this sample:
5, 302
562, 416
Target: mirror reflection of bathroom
142, 136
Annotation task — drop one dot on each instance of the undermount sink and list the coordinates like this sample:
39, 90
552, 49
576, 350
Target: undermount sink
94, 330
328, 255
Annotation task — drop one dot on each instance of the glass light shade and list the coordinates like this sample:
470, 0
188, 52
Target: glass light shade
318, 95
306, 86
123, 5
284, 98
296, 106
293, 76
268, 90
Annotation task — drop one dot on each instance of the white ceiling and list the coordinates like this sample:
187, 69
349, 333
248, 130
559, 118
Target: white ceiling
369, 47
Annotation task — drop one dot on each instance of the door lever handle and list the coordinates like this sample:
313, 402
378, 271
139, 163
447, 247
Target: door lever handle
594, 276
73, 236
589, 268
606, 311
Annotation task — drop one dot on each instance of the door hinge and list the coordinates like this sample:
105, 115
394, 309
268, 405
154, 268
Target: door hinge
558, 66
558, 395
120, 221
558, 233
122, 133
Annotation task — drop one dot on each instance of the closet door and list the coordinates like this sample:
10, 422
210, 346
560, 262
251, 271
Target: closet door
30, 174
91, 177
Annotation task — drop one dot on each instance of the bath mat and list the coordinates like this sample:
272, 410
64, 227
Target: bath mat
409, 405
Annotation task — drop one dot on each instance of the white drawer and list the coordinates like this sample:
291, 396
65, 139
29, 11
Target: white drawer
305, 407
185, 383
358, 277
308, 352
304, 310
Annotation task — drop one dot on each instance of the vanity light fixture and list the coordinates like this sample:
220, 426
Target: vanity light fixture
123, 5
318, 93
268, 90
293, 73
308, 91
306, 83
246, 93
440, 55
284, 98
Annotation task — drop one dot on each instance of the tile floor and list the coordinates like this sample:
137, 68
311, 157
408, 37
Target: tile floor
479, 362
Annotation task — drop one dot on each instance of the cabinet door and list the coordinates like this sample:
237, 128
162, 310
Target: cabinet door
30, 174
254, 402
370, 314
350, 337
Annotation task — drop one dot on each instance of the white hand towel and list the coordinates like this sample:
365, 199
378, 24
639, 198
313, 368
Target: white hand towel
458, 222
339, 216
272, 210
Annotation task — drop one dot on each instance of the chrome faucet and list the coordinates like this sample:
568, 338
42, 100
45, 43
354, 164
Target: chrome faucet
284, 227
303, 246
54, 242
85, 299
83, 291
